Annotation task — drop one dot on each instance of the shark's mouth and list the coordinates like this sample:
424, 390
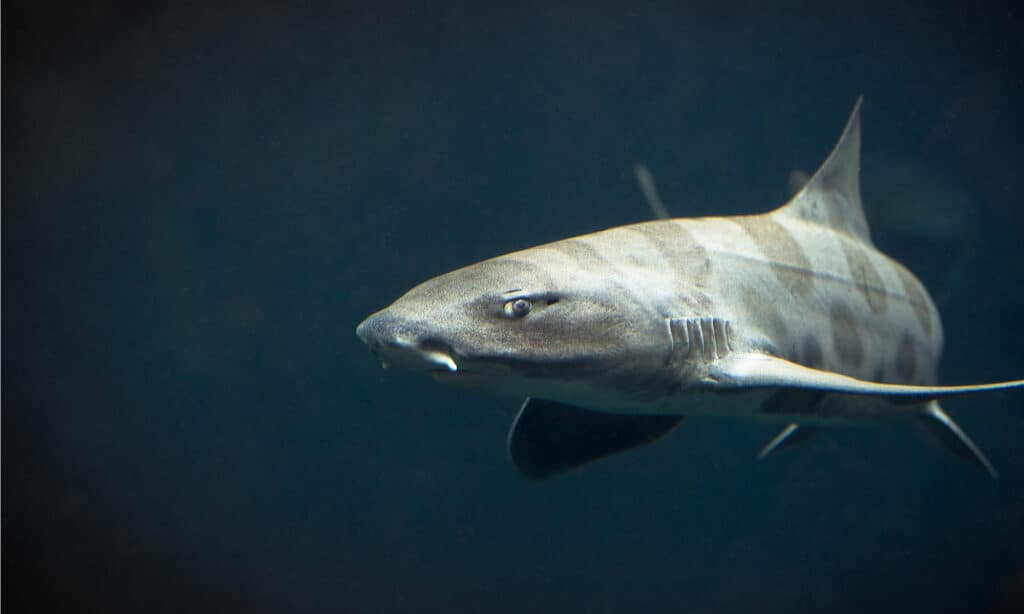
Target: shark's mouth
397, 342
438, 354
431, 355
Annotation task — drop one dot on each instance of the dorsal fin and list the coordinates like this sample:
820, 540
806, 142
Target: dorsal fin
832, 195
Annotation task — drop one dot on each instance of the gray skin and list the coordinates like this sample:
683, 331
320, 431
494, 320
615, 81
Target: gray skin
606, 314
605, 322
586, 338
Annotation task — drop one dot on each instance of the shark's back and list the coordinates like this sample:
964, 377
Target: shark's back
793, 288
819, 297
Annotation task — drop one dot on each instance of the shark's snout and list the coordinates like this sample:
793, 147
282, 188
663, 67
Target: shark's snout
378, 330
401, 342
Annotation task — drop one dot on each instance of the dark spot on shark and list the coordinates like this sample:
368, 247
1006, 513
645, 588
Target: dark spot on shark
865, 276
811, 354
906, 360
788, 261
584, 254
761, 310
845, 337
917, 298
676, 244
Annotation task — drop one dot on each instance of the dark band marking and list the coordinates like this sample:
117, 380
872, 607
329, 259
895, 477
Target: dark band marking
788, 261
864, 275
581, 252
917, 298
811, 354
906, 360
676, 244
845, 336
763, 311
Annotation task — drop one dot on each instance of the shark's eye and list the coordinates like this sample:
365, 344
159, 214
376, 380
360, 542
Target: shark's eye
517, 308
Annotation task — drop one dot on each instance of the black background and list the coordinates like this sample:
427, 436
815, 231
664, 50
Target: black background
200, 204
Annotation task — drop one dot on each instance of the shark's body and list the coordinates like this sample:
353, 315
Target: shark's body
790, 316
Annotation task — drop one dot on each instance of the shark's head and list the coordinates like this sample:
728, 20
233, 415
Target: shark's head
511, 325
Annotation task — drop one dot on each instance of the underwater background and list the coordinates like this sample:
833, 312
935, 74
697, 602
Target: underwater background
200, 205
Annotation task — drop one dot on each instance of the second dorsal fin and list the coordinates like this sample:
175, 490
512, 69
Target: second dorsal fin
832, 195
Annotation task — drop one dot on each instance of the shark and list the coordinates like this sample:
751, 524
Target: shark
614, 338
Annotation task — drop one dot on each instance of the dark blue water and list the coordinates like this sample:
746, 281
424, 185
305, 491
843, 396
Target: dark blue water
200, 206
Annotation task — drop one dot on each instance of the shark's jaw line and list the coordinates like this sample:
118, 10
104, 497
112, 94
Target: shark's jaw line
433, 352
409, 351
791, 316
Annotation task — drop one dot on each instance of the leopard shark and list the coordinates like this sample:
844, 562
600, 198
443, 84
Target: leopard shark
615, 337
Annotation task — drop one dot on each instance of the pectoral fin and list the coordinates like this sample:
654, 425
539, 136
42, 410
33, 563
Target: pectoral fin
548, 438
938, 423
751, 370
789, 437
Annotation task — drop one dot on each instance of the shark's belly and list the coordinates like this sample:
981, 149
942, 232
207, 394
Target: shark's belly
787, 406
